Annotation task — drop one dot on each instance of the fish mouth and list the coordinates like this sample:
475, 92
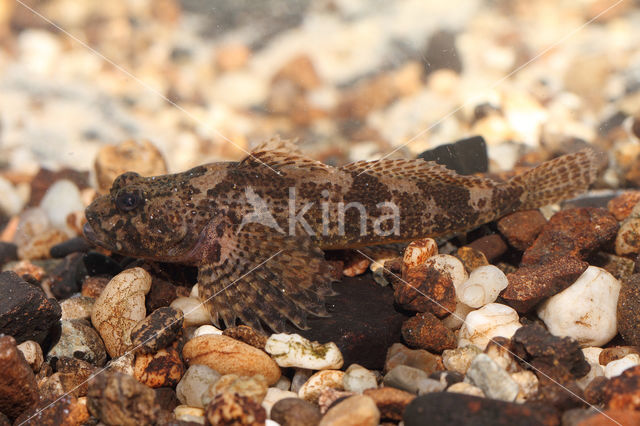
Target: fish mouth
90, 235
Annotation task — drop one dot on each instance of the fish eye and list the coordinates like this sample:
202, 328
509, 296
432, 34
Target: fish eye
127, 201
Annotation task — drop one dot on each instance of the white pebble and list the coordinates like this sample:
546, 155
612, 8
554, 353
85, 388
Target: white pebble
293, 350
615, 368
62, 198
10, 201
455, 320
483, 286
465, 388
592, 354
325, 379
490, 321
195, 383
206, 329
358, 379
527, 383
586, 310
186, 413
418, 252
32, 353
195, 312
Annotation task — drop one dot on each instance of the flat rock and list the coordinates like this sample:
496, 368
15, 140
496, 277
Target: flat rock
25, 311
446, 408
530, 284
576, 232
363, 322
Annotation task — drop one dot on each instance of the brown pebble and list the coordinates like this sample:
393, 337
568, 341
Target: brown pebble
93, 286
530, 284
399, 354
628, 312
607, 417
623, 391
622, 205
425, 331
158, 330
295, 412
493, 246
67, 411
426, 289
161, 294
616, 352
356, 410
574, 232
233, 409
593, 393
521, 228
471, 258
247, 335
390, 401
18, 389
160, 369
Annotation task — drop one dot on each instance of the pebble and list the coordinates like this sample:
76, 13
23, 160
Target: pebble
521, 228
78, 307
575, 232
398, 354
530, 284
320, 381
426, 288
412, 380
113, 160
492, 246
494, 381
71, 377
417, 252
119, 308
459, 359
357, 410
449, 265
357, 379
490, 321
247, 335
119, 399
123, 364
622, 205
528, 385
627, 241
471, 258
426, 331
274, 395
32, 353
558, 357
628, 310
189, 415
293, 350
295, 412
616, 352
229, 356
623, 391
39, 246
163, 368
194, 311
25, 311
67, 410
299, 378
93, 286
457, 317
161, 294
79, 340
391, 402
11, 202
483, 286
60, 200
18, 388
206, 329
158, 330
498, 350
234, 409
454, 409
465, 389
254, 387
194, 383
586, 310
616, 367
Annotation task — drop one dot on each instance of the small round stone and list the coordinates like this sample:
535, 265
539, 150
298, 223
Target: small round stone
357, 379
234, 409
161, 369
158, 330
295, 412
195, 382
355, 410
293, 350
487, 322
321, 380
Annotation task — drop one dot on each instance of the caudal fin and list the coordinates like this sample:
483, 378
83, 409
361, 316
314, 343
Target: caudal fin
556, 180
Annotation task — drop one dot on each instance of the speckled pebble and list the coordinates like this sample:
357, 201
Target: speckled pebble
77, 307
158, 330
293, 350
254, 387
79, 340
494, 381
417, 252
460, 359
194, 383
319, 381
234, 409
295, 412
163, 368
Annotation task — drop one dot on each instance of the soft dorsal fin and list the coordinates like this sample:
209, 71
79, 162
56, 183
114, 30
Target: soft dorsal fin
281, 154
415, 170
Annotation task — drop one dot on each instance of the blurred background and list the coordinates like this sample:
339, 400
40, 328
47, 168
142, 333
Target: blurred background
206, 80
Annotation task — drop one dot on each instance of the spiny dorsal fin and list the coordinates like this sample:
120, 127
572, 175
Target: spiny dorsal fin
282, 154
415, 170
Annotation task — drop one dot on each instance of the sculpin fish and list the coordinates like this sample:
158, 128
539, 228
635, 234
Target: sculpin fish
256, 229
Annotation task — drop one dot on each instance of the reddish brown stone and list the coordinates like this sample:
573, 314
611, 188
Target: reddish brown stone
593, 393
621, 206
390, 401
493, 246
93, 286
66, 411
247, 335
574, 232
18, 388
616, 352
425, 331
530, 284
471, 258
608, 417
426, 289
628, 313
161, 294
521, 228
623, 391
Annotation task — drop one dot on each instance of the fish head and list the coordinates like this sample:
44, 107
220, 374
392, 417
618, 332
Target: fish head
148, 217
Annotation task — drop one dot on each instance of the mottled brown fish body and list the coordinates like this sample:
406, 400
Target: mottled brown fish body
256, 228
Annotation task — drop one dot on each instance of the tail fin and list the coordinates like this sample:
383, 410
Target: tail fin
556, 180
